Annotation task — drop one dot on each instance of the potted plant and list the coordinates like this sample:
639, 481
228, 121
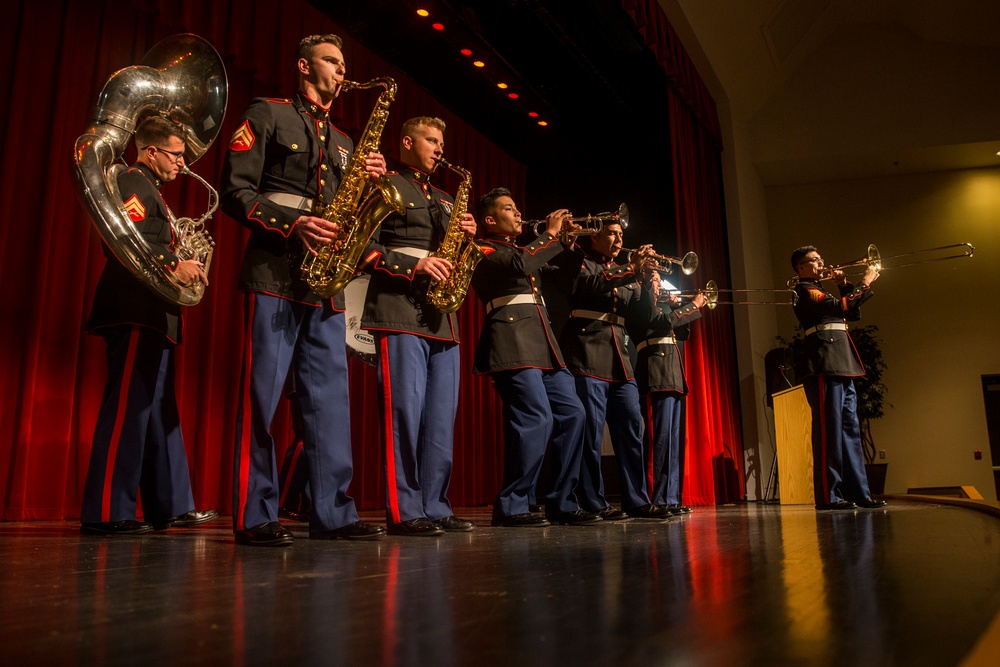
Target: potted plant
870, 389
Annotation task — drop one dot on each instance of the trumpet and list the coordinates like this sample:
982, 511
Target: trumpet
665, 263
712, 291
875, 260
591, 223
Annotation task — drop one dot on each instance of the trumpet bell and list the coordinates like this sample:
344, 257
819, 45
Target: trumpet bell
689, 264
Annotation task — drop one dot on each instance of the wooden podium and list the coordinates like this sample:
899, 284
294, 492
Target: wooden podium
793, 439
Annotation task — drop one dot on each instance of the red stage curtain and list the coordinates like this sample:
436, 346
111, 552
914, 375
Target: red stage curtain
714, 470
59, 55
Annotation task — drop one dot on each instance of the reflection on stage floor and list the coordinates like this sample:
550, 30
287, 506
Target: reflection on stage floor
755, 584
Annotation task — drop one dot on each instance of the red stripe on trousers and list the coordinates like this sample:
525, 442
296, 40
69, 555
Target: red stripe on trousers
390, 445
116, 434
649, 442
239, 512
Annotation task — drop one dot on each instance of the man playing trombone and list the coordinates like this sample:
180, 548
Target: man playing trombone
660, 375
830, 365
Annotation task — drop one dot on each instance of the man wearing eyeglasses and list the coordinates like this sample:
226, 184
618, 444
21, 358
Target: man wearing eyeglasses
828, 370
137, 441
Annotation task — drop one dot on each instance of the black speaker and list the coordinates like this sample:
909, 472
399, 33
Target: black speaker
779, 372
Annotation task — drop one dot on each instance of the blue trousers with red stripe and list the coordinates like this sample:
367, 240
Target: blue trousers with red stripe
539, 405
838, 459
418, 391
137, 441
665, 446
310, 341
618, 404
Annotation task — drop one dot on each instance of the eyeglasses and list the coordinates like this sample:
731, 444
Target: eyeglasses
175, 156
812, 260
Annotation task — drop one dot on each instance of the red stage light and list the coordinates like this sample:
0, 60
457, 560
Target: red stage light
466, 52
437, 26
512, 96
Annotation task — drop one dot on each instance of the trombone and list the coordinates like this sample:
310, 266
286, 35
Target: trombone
591, 223
665, 263
874, 260
712, 291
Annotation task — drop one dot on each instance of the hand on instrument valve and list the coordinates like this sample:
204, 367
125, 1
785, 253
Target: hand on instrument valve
699, 300
437, 268
642, 260
468, 224
871, 275
315, 232
191, 271
554, 222
375, 165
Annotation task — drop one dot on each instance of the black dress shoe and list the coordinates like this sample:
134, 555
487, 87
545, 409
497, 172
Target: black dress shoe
678, 509
871, 503
293, 515
192, 518
454, 524
575, 518
526, 520
422, 527
536, 509
128, 527
611, 514
655, 512
271, 534
359, 530
839, 505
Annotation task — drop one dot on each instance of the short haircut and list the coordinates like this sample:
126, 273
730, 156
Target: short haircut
309, 44
156, 131
488, 202
799, 253
410, 126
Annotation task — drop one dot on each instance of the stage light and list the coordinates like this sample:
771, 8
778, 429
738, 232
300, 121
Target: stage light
466, 52
423, 12
437, 26
479, 63
543, 123
502, 86
512, 96
533, 114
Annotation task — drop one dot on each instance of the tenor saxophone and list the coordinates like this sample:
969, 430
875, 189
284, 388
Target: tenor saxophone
359, 206
448, 294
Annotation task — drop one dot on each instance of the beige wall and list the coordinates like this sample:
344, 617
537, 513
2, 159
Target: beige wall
940, 321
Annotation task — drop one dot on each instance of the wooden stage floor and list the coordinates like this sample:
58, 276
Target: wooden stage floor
756, 584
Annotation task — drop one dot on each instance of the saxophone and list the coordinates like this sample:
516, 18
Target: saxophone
448, 294
359, 206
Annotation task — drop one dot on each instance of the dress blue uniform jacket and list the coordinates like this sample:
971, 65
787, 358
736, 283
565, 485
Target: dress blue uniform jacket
830, 352
659, 366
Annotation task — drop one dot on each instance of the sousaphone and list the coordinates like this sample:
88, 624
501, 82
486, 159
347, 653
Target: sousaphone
183, 79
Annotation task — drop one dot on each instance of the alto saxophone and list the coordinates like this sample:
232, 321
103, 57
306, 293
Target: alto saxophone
448, 294
359, 206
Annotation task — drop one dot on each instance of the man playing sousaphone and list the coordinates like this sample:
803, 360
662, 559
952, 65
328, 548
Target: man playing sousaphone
137, 440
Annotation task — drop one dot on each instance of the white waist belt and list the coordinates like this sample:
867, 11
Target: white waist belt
290, 201
833, 326
603, 317
512, 299
666, 340
419, 253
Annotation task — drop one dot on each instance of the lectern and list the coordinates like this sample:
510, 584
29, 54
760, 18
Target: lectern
793, 438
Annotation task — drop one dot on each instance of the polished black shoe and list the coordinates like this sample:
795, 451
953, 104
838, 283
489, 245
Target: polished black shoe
192, 518
655, 512
678, 509
839, 505
359, 530
293, 515
575, 518
871, 503
536, 509
422, 527
526, 520
611, 514
128, 527
454, 524
271, 534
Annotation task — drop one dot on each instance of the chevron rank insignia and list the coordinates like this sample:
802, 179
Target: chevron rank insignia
243, 138
136, 211
816, 295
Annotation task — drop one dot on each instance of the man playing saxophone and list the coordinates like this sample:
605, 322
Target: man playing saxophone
417, 344
285, 161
